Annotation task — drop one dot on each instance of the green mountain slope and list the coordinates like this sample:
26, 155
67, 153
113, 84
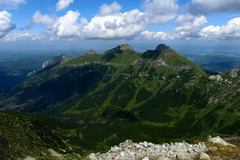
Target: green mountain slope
23, 135
156, 96
122, 54
166, 56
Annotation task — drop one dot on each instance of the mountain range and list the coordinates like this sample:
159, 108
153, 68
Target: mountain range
100, 100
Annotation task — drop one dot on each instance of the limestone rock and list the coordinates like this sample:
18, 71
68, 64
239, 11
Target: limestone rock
147, 150
217, 78
181, 67
163, 47
125, 46
219, 140
91, 52
204, 156
122, 47
54, 61
92, 156
234, 73
168, 151
141, 61
31, 73
160, 62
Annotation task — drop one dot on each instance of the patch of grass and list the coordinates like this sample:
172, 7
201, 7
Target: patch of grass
223, 152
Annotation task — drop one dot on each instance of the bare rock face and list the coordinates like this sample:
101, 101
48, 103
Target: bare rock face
204, 156
157, 62
31, 73
123, 47
141, 61
91, 52
163, 47
181, 67
147, 150
217, 78
219, 140
54, 61
160, 62
234, 73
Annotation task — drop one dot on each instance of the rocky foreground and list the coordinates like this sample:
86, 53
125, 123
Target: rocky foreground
214, 148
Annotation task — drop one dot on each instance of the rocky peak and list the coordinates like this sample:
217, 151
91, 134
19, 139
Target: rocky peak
163, 47
91, 52
54, 61
123, 47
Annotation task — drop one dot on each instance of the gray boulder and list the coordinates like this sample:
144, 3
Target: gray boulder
204, 156
234, 73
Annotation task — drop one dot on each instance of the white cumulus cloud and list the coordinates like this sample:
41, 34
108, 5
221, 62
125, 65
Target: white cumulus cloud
189, 26
225, 32
160, 11
5, 23
118, 26
109, 23
39, 18
44, 19
24, 36
67, 25
112, 9
62, 4
157, 35
11, 4
213, 6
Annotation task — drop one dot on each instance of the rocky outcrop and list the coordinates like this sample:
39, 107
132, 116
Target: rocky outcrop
217, 78
125, 46
54, 61
141, 61
180, 67
122, 47
89, 53
219, 140
31, 73
163, 47
146, 150
98, 62
160, 62
204, 156
131, 150
157, 62
234, 73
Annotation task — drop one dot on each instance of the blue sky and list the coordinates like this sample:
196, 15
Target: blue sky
119, 21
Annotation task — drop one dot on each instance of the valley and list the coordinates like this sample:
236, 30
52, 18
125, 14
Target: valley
88, 103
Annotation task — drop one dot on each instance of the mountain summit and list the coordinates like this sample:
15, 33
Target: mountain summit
122, 54
123, 47
163, 47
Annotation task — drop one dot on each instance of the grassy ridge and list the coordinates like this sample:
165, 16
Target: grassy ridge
23, 134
